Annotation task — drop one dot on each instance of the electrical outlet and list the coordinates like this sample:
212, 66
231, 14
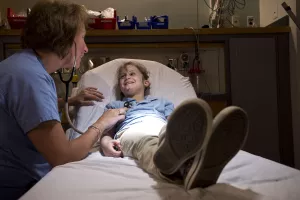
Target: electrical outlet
235, 20
250, 21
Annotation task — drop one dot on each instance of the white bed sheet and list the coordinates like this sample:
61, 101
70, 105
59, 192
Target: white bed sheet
245, 177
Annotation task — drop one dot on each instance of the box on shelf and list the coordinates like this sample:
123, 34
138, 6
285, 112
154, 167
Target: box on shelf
15, 22
159, 22
146, 25
103, 23
127, 24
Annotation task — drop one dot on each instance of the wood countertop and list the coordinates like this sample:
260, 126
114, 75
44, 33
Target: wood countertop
167, 32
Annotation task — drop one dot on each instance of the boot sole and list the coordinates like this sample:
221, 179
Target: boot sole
185, 135
229, 133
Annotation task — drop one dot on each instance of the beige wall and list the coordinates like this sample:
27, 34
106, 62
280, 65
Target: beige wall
251, 9
182, 13
267, 8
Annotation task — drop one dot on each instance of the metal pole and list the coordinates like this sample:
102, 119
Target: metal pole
291, 14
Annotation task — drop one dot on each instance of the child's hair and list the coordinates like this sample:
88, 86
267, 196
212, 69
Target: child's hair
140, 67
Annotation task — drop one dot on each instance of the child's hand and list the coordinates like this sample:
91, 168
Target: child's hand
112, 148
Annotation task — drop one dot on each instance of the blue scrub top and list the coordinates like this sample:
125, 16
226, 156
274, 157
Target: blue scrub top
27, 98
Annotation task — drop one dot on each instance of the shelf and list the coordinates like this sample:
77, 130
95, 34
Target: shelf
169, 32
141, 45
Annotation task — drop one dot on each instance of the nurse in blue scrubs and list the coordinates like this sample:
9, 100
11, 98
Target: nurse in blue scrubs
32, 140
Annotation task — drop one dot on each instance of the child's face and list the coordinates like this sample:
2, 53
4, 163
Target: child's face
131, 81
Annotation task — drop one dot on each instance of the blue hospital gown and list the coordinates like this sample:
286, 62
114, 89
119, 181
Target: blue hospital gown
27, 98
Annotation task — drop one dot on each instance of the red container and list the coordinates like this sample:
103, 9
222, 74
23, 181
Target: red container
103, 23
15, 22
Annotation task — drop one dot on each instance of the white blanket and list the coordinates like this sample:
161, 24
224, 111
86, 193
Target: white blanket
245, 177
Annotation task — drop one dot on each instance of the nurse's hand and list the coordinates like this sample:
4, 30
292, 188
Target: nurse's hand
111, 148
86, 97
109, 118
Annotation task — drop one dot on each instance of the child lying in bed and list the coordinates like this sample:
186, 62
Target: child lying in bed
182, 146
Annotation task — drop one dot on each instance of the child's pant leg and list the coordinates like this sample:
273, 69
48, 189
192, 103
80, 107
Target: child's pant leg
135, 133
143, 149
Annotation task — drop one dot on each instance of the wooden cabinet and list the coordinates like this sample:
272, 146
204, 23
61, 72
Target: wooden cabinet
256, 85
254, 88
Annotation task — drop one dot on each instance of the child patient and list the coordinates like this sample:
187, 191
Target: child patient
182, 146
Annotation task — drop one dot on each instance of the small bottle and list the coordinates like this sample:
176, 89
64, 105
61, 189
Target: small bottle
75, 80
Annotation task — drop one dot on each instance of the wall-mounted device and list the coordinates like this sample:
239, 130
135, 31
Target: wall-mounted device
235, 20
250, 21
185, 59
172, 63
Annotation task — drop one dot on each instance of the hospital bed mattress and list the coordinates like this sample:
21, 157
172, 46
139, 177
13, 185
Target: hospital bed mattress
245, 177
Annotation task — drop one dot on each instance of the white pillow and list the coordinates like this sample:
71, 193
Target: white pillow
165, 83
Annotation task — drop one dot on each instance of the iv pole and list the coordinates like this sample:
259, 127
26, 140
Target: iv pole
291, 14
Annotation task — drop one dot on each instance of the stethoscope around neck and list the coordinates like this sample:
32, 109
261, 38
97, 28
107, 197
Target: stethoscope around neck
67, 83
127, 104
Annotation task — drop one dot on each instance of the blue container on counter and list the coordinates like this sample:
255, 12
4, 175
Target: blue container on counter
146, 25
160, 22
127, 24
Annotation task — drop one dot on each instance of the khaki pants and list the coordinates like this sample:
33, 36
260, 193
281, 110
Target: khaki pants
140, 142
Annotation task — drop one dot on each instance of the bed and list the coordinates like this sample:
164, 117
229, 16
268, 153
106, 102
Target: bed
245, 177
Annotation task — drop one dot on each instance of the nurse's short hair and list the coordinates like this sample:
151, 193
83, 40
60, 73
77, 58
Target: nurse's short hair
52, 26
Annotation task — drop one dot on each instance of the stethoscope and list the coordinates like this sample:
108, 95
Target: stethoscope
67, 83
127, 104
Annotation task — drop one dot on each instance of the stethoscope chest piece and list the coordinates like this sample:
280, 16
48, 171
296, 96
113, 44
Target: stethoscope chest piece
127, 104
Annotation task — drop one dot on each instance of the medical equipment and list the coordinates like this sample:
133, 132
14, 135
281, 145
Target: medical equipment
172, 64
67, 82
184, 58
75, 80
128, 104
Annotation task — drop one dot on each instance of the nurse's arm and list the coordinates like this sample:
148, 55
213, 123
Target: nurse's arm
50, 140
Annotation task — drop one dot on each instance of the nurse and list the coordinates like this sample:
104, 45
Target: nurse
32, 140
